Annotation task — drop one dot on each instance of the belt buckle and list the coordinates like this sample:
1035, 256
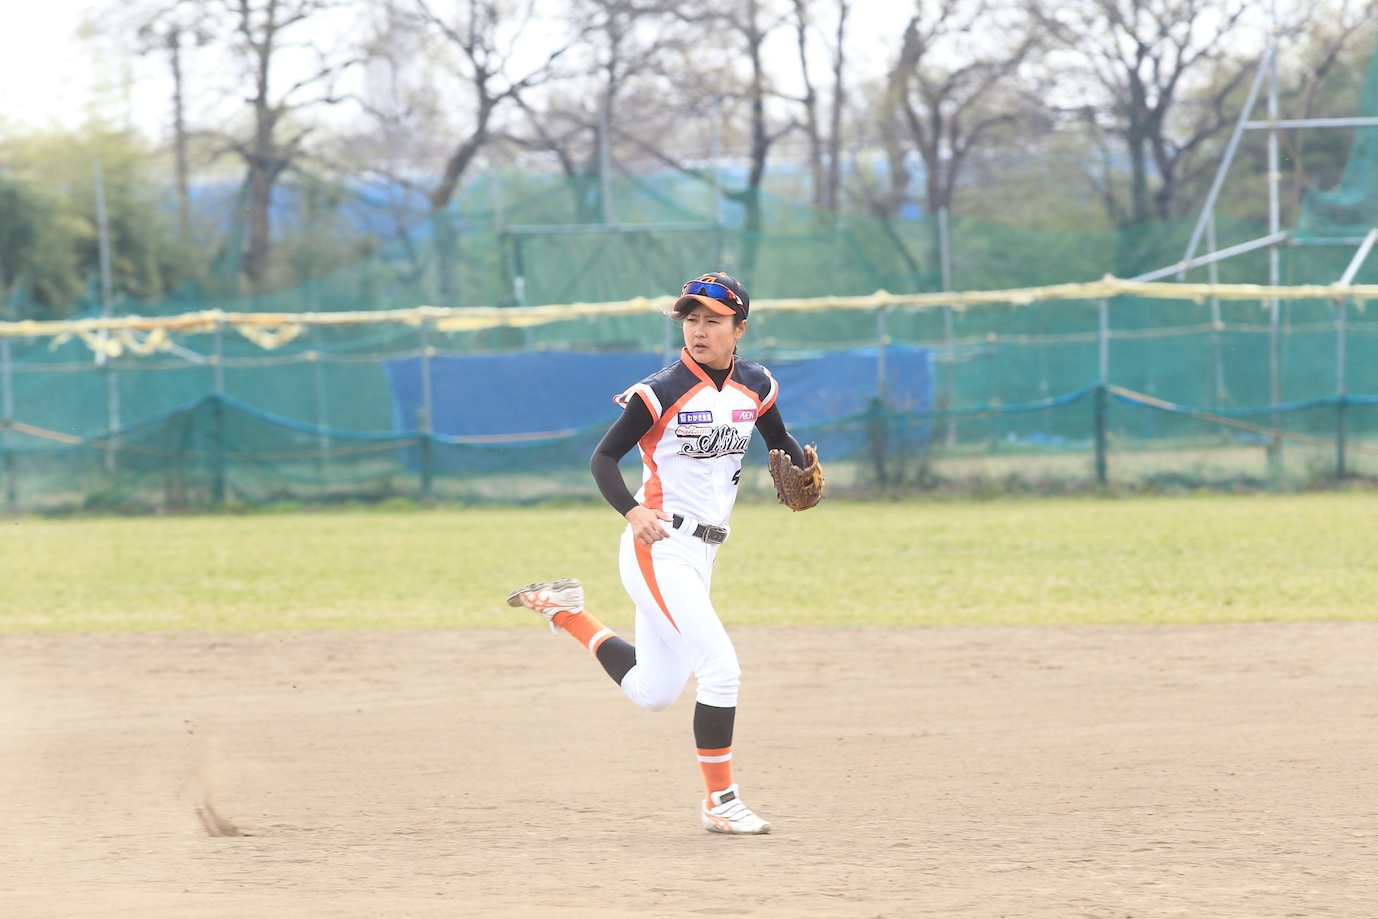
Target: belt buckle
714, 536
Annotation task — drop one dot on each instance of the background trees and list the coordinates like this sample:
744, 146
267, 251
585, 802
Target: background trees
961, 83
288, 119
49, 247
38, 262
1154, 77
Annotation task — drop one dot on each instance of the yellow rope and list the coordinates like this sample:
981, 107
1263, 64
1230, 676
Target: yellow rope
116, 335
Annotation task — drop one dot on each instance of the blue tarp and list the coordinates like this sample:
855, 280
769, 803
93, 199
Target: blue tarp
530, 397
523, 394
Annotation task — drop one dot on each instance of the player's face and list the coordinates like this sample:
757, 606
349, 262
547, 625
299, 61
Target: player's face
711, 338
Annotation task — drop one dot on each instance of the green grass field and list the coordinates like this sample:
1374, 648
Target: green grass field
1210, 558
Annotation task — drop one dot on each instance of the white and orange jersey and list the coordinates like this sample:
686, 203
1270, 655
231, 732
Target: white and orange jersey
692, 455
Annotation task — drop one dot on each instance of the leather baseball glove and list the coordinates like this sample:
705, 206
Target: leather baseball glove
799, 489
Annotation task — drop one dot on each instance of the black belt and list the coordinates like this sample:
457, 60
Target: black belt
712, 535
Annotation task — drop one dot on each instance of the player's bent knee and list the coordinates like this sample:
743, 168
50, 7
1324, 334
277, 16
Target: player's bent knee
653, 703
652, 697
657, 705
718, 685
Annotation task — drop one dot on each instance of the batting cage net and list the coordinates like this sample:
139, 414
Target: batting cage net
1072, 386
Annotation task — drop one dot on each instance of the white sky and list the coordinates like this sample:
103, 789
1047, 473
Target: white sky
49, 77
45, 73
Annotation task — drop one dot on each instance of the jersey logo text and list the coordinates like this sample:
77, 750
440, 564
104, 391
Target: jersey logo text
724, 440
694, 418
743, 414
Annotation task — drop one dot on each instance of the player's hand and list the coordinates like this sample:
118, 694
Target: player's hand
646, 524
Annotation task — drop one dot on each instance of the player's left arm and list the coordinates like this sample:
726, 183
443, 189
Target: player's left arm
795, 470
773, 432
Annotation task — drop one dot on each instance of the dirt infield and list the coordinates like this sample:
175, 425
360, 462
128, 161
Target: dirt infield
1211, 771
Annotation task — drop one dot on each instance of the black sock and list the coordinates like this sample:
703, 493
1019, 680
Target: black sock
617, 657
713, 726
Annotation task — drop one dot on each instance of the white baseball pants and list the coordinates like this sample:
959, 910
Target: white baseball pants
678, 632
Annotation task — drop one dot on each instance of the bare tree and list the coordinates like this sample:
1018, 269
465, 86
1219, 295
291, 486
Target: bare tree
627, 52
1159, 75
487, 34
262, 31
274, 64
481, 43
405, 130
165, 29
839, 102
752, 24
169, 30
825, 144
955, 86
747, 25
954, 90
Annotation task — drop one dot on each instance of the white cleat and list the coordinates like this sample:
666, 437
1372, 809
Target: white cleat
564, 596
724, 812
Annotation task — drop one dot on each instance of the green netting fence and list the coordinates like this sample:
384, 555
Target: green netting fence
546, 296
1073, 386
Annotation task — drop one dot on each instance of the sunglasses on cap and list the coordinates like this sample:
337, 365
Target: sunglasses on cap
710, 289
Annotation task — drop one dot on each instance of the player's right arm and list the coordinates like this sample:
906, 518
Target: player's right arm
629, 428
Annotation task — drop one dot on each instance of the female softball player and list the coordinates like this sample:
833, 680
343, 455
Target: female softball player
692, 422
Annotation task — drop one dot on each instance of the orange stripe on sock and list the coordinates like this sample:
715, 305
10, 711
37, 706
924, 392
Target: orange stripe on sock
598, 638
584, 628
716, 775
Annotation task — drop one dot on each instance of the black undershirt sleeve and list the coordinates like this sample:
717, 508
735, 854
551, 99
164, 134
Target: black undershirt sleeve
772, 428
634, 422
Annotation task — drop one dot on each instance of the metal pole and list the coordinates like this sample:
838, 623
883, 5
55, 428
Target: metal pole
425, 413
1102, 408
518, 272
107, 300
1103, 344
605, 160
1181, 268
1275, 306
500, 228
1217, 351
6, 420
879, 422
218, 364
1341, 387
882, 338
218, 417
1361, 121
112, 413
945, 276
322, 431
1263, 67
948, 364
944, 250
103, 240
1341, 390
